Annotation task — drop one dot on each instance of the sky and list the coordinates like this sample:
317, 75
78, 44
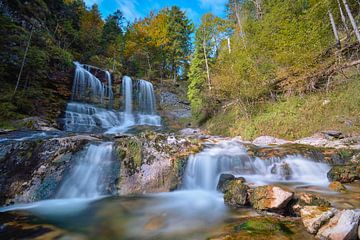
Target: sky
133, 9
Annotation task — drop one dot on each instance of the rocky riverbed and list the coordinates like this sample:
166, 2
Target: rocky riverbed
149, 164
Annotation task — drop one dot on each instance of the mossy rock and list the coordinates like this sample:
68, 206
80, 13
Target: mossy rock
337, 187
344, 174
264, 226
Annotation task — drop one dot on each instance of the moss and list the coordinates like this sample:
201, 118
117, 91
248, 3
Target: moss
264, 226
134, 149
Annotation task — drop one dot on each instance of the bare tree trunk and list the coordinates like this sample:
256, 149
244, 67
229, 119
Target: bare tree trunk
336, 34
343, 19
238, 18
352, 20
229, 45
258, 8
24, 59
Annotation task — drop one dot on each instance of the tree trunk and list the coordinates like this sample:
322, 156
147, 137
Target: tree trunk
24, 59
206, 62
343, 19
229, 45
352, 20
258, 8
336, 34
237, 13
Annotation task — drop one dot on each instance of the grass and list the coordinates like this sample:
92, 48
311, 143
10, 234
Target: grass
295, 117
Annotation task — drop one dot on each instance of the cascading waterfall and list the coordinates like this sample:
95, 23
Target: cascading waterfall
82, 115
86, 85
110, 93
86, 179
127, 89
204, 169
147, 104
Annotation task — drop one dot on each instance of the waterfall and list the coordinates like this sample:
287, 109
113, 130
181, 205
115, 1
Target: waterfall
82, 115
110, 93
204, 169
127, 90
86, 179
86, 85
147, 103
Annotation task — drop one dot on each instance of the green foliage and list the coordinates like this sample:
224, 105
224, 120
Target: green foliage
295, 117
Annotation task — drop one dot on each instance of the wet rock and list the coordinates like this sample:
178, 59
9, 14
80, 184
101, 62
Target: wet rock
337, 187
307, 199
268, 140
150, 164
344, 174
270, 198
282, 170
343, 226
226, 178
35, 123
313, 217
26, 167
236, 193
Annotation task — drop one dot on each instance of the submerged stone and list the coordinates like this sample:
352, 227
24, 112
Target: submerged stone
337, 186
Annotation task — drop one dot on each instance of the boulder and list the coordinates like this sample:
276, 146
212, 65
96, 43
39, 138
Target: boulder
333, 134
344, 174
308, 199
268, 140
313, 217
270, 198
337, 186
236, 193
343, 226
224, 179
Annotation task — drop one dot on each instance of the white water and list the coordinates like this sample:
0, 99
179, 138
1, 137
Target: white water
110, 93
86, 85
82, 115
86, 178
204, 169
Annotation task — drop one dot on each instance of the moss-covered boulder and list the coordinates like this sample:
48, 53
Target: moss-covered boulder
344, 173
226, 178
270, 198
236, 193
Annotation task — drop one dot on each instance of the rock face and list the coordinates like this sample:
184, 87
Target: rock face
31, 170
313, 217
343, 226
270, 198
236, 193
344, 174
150, 164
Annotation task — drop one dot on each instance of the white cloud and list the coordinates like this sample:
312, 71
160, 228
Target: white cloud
89, 3
129, 8
217, 7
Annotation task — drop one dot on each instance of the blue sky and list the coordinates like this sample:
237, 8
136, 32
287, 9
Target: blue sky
139, 8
